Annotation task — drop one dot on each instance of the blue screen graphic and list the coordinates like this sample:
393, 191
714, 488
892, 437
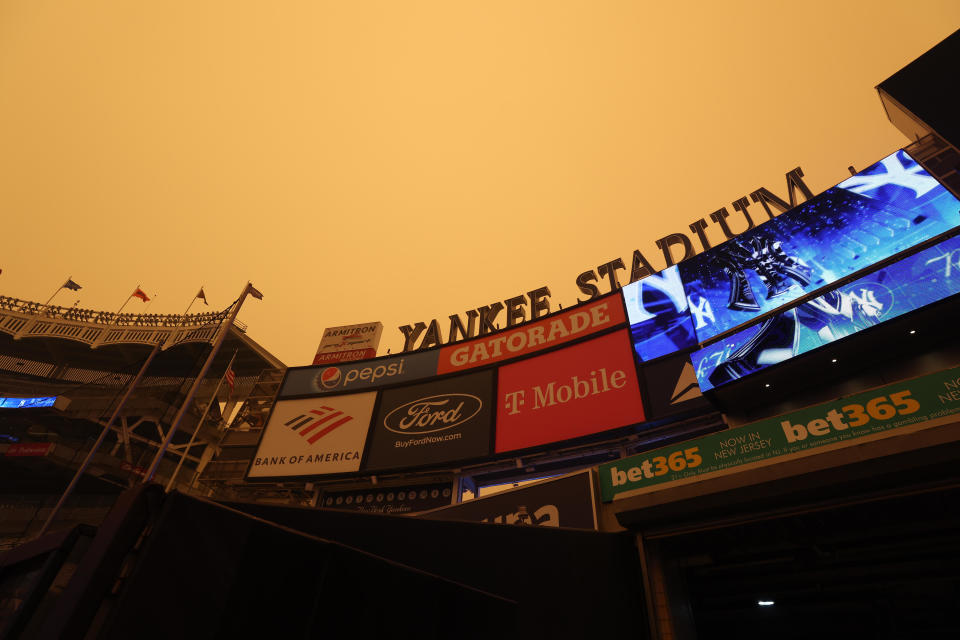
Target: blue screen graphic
918, 280
883, 210
660, 315
27, 403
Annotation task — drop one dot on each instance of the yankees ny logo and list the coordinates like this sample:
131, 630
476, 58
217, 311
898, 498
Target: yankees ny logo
306, 423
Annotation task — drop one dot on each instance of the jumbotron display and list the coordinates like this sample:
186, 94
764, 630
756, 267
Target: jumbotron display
889, 207
27, 403
904, 286
583, 372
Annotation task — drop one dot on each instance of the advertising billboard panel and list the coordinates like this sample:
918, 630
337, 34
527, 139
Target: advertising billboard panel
348, 343
29, 449
405, 499
661, 318
671, 387
432, 423
558, 502
350, 376
27, 403
879, 413
531, 337
883, 210
314, 436
904, 286
584, 389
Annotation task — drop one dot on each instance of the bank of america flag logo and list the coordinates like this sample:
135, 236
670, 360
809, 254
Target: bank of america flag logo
326, 419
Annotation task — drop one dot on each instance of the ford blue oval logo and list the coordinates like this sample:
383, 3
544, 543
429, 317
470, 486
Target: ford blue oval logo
433, 413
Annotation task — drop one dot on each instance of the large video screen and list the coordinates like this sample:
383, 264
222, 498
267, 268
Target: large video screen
661, 320
887, 208
27, 403
918, 280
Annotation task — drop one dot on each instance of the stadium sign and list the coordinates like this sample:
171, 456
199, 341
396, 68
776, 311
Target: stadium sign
368, 374
442, 421
570, 393
485, 319
880, 413
567, 501
349, 342
314, 436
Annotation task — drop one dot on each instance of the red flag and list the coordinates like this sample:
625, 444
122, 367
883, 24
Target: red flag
203, 297
140, 294
254, 292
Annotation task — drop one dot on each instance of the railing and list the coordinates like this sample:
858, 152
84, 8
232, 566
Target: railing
93, 316
26, 319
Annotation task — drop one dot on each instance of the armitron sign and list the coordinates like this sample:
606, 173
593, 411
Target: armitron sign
350, 342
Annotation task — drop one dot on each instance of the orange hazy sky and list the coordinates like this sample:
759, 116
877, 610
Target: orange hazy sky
401, 161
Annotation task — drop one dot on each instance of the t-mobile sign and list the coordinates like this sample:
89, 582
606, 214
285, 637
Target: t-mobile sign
569, 393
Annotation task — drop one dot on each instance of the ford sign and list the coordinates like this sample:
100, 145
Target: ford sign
433, 413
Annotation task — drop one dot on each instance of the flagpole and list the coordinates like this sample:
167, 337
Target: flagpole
47, 303
225, 329
99, 441
129, 298
191, 304
146, 308
200, 422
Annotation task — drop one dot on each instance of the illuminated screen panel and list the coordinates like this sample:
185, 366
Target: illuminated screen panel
661, 320
27, 403
887, 208
918, 280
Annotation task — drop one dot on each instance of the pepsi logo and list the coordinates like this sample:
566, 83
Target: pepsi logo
329, 378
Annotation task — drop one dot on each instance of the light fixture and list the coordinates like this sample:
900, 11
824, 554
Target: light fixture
912, 331
767, 385
765, 603
834, 360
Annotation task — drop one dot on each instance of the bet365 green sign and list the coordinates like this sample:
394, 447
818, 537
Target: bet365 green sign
836, 423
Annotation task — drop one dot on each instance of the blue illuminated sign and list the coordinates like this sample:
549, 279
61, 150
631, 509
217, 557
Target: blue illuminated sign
883, 210
660, 315
904, 286
27, 403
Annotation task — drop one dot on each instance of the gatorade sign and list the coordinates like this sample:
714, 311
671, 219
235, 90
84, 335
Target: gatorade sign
534, 336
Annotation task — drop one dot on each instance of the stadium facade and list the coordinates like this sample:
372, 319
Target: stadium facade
759, 441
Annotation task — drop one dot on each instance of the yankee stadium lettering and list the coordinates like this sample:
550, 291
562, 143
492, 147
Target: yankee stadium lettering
484, 319
433, 413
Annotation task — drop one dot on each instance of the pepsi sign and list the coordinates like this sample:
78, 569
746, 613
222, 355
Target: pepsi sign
355, 376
